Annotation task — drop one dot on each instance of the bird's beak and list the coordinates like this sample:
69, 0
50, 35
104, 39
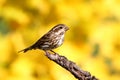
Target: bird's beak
66, 28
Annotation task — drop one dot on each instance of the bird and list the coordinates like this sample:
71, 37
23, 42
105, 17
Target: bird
51, 40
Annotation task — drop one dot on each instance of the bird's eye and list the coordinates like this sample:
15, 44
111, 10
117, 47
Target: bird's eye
60, 27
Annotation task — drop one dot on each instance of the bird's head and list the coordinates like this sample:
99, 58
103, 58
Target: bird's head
60, 28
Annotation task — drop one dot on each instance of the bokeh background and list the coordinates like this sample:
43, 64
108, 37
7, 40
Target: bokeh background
93, 41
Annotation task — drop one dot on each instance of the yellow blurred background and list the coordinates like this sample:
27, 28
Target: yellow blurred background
93, 41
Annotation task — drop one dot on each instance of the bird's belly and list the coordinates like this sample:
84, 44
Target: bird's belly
53, 43
59, 42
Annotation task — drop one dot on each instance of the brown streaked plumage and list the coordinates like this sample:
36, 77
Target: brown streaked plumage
51, 40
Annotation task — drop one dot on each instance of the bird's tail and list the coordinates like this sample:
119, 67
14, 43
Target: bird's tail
25, 50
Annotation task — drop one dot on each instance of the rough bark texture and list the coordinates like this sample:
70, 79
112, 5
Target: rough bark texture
70, 66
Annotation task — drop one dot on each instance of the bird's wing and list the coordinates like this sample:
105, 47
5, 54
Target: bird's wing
44, 39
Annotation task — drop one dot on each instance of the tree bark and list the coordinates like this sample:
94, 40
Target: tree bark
70, 66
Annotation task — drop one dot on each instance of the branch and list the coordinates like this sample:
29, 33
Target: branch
70, 66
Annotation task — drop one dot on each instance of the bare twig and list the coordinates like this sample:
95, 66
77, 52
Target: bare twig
70, 66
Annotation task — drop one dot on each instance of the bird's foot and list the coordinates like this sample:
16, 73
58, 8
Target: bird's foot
53, 51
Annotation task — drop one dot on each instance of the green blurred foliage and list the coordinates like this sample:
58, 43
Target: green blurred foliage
4, 29
93, 41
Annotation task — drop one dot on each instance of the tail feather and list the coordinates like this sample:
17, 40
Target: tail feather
25, 50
